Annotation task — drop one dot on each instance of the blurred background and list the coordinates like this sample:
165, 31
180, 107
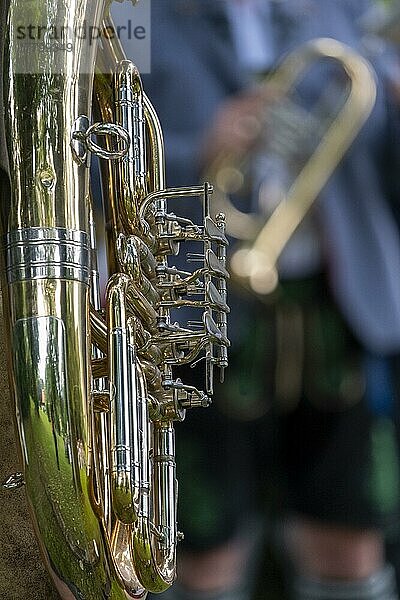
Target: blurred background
290, 482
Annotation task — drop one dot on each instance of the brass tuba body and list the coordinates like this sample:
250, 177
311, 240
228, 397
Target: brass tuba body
285, 131
95, 388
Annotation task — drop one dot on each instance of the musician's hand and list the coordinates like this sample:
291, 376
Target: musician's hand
235, 127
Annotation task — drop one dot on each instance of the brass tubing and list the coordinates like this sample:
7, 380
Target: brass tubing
124, 427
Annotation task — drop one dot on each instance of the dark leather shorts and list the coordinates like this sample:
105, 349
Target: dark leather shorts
295, 426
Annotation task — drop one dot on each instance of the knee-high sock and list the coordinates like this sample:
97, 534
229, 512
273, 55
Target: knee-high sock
379, 586
177, 592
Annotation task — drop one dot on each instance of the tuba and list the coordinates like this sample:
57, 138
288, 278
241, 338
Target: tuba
95, 382
306, 147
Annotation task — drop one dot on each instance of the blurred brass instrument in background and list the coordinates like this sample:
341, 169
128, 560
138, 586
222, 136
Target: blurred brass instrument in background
286, 131
96, 389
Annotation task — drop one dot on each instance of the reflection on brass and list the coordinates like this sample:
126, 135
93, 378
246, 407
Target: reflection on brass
284, 131
14, 481
94, 381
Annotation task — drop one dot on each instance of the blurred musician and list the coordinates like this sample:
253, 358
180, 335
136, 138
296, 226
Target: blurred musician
332, 440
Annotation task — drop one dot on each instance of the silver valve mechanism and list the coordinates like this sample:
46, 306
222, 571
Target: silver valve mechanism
201, 290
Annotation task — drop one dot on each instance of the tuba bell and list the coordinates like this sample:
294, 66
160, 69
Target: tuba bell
306, 147
95, 383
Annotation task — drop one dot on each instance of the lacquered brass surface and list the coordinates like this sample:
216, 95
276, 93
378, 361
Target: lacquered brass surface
96, 397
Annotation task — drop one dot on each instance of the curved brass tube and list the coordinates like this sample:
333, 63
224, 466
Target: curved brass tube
48, 250
254, 263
